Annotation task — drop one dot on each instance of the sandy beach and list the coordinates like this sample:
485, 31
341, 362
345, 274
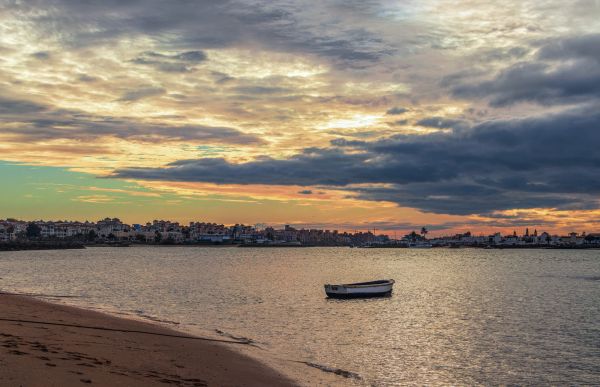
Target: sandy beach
46, 344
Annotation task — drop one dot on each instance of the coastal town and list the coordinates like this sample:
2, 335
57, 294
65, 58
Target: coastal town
113, 232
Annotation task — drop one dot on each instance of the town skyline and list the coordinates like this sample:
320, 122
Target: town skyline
424, 230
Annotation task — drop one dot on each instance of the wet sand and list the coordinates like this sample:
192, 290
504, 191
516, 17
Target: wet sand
45, 344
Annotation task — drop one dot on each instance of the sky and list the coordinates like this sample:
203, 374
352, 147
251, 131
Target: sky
454, 115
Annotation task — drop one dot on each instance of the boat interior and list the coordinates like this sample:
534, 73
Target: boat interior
378, 282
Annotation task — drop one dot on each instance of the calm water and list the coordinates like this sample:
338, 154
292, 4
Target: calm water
457, 316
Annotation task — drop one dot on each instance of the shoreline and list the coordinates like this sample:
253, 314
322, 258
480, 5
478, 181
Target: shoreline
51, 344
11, 247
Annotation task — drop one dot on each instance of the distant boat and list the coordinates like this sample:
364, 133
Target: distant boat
380, 288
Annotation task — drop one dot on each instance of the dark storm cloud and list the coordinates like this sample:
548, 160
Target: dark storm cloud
549, 161
460, 198
564, 71
538, 82
297, 170
585, 46
205, 24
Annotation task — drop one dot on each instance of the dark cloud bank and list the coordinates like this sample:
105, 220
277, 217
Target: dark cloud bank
564, 71
548, 161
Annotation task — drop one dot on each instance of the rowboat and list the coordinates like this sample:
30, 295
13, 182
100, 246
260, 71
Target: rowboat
379, 288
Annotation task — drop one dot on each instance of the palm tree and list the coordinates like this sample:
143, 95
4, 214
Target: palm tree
424, 232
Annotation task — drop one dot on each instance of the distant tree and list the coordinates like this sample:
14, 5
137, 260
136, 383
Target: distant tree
10, 229
33, 231
424, 231
413, 236
157, 237
140, 237
111, 236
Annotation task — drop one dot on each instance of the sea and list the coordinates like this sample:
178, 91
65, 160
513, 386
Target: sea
456, 316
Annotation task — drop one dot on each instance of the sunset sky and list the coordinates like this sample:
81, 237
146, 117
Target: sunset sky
454, 115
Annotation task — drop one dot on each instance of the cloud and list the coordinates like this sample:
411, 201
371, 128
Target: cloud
9, 106
26, 121
305, 192
439, 122
41, 55
548, 161
398, 123
260, 90
145, 92
287, 27
539, 83
502, 54
564, 71
582, 46
396, 111
182, 62
87, 78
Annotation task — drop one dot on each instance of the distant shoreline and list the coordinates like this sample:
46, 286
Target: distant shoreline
40, 245
33, 246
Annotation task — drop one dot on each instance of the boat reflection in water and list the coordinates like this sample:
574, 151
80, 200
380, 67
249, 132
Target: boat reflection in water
379, 288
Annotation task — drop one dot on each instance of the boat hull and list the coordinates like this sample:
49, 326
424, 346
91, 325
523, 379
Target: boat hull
382, 288
358, 295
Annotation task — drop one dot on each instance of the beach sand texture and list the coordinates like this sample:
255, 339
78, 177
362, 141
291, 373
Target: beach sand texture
45, 344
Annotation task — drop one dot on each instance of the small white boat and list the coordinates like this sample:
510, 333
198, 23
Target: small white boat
380, 288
